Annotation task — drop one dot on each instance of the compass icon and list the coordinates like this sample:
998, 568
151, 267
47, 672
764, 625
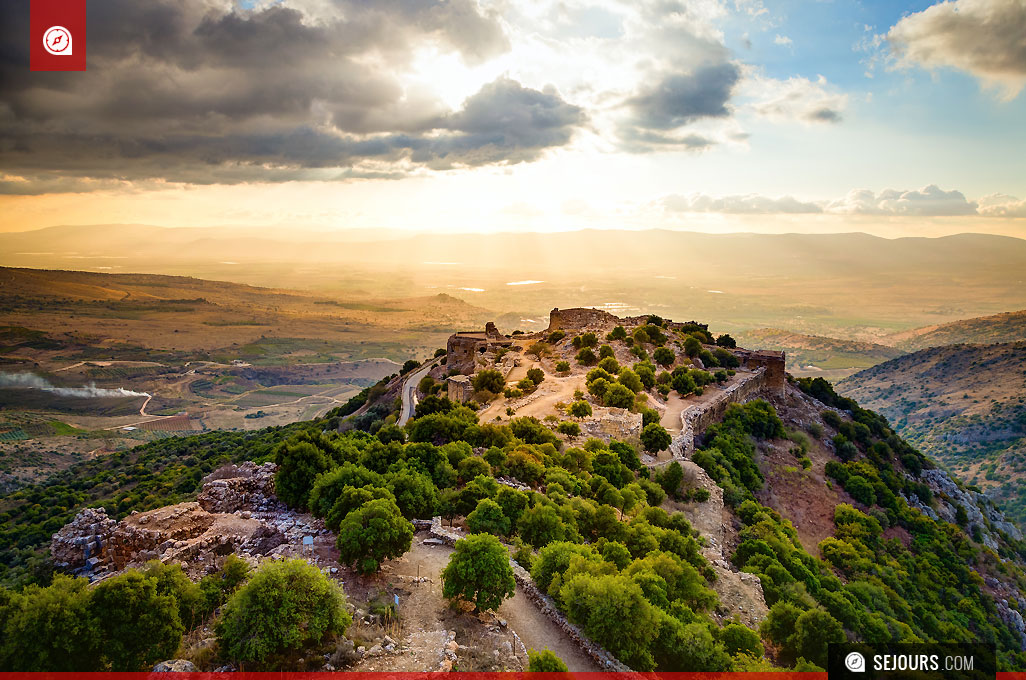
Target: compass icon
57, 41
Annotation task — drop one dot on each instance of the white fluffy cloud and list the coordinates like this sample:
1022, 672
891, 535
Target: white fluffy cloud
984, 37
794, 99
930, 201
751, 204
1002, 205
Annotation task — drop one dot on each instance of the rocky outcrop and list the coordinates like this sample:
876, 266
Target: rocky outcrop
239, 487
175, 666
82, 543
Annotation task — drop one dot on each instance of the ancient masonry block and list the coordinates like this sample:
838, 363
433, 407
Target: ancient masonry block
459, 388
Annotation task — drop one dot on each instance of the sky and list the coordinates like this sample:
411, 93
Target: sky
895, 118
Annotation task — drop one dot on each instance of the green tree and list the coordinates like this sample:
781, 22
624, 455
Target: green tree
488, 518
586, 357
546, 661
286, 607
610, 365
692, 346
298, 466
536, 375
860, 489
664, 356
580, 409
569, 429
618, 396
172, 580
605, 351
670, 479
373, 533
655, 438
479, 572
726, 341
630, 380
50, 629
472, 466
562, 366
415, 494
351, 499
541, 525
489, 380
814, 631
138, 627
779, 627
614, 613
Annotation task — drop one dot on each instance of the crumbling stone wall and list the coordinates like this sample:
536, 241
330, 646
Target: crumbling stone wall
694, 420
83, 542
772, 361
462, 348
580, 318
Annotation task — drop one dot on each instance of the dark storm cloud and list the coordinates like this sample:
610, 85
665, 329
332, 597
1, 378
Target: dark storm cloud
187, 91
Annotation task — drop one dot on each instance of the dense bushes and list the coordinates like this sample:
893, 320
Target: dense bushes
286, 607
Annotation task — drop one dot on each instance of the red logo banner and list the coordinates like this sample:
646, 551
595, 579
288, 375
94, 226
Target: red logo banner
57, 33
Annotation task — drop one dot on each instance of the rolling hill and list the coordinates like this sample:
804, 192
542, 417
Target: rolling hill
812, 355
985, 330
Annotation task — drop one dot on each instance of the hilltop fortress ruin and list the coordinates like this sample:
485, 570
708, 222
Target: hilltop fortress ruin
466, 350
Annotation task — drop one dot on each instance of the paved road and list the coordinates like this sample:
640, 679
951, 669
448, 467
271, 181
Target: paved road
409, 390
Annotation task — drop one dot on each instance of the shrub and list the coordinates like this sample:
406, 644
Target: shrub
299, 463
618, 396
692, 346
738, 639
580, 409
563, 367
488, 518
618, 333
49, 629
664, 356
569, 429
555, 336
489, 380
630, 380
372, 533
286, 607
609, 365
546, 661
586, 357
605, 351
479, 572
138, 627
536, 375
541, 525
655, 438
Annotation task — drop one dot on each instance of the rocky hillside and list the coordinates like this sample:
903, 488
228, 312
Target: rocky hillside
964, 405
726, 518
984, 330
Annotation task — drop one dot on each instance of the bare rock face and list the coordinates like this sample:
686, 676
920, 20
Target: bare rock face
83, 541
233, 488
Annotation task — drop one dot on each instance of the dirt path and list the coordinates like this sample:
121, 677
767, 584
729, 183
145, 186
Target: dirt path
539, 633
670, 420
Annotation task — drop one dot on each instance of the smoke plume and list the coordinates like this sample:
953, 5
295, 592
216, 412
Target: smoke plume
34, 382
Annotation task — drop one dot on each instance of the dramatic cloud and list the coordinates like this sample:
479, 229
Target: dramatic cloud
984, 37
930, 201
795, 99
746, 205
682, 98
199, 92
